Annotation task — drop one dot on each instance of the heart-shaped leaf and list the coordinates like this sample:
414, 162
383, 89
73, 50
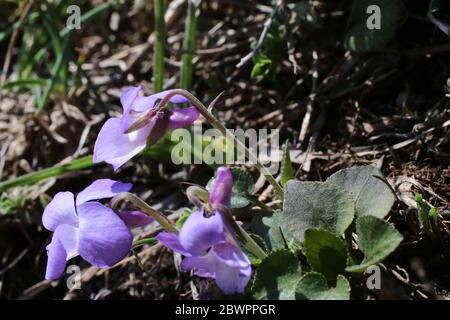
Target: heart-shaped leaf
269, 228
373, 196
326, 253
376, 239
373, 25
314, 286
316, 205
277, 276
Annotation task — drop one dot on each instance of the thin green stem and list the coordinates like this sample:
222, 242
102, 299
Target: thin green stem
33, 177
142, 242
159, 48
226, 133
190, 31
142, 205
55, 73
245, 237
254, 199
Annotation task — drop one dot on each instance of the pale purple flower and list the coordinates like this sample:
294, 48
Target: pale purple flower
85, 227
135, 219
209, 244
115, 145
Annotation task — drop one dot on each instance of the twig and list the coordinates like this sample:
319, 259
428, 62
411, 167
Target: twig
310, 106
260, 42
286, 14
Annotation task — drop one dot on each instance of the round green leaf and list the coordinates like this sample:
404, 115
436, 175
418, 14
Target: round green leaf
361, 38
376, 239
314, 286
316, 205
326, 253
269, 228
277, 276
373, 196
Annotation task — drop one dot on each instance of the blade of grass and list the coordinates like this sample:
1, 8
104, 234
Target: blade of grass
86, 162
190, 32
159, 48
88, 16
33, 177
55, 72
25, 82
50, 27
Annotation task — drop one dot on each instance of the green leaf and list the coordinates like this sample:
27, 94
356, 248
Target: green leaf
376, 239
184, 215
362, 39
286, 170
261, 66
313, 286
269, 228
326, 253
25, 82
190, 34
55, 171
316, 205
277, 276
372, 194
243, 185
253, 258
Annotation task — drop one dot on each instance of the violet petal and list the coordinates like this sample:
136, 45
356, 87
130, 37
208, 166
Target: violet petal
172, 242
200, 233
61, 210
127, 100
135, 219
63, 247
101, 189
220, 192
104, 237
115, 147
182, 117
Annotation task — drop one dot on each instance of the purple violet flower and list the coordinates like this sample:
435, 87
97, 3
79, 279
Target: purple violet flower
135, 219
115, 145
87, 228
209, 244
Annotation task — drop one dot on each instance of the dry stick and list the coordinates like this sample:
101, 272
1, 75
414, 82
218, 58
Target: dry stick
266, 28
226, 133
11, 45
309, 108
286, 14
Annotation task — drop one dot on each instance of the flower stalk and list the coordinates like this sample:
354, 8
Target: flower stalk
248, 241
226, 133
139, 203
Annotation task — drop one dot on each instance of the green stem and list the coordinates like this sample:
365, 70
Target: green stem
226, 133
33, 177
55, 73
142, 242
245, 237
141, 204
254, 199
190, 31
158, 54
